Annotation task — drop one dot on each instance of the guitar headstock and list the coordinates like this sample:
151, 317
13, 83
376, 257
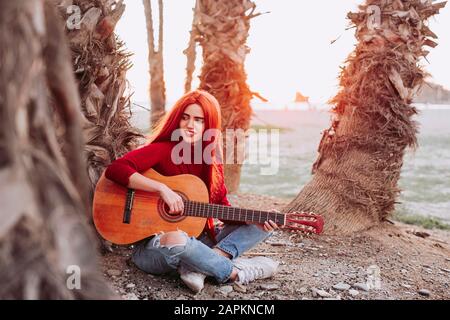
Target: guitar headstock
306, 222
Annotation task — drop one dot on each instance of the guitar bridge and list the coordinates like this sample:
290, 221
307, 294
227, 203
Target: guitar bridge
128, 206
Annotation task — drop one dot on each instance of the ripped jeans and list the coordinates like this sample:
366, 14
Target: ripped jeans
197, 254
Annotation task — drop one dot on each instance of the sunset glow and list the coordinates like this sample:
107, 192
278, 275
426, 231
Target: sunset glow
291, 48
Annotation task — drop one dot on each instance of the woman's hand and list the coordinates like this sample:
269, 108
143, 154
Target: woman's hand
172, 199
270, 226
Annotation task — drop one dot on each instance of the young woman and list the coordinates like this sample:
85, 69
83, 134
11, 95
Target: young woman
215, 253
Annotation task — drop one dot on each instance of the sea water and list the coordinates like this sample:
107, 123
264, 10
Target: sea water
425, 176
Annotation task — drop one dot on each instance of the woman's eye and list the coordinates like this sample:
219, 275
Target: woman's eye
199, 120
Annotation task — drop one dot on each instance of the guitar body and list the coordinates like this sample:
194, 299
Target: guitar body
148, 215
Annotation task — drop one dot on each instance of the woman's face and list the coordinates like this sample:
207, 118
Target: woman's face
192, 123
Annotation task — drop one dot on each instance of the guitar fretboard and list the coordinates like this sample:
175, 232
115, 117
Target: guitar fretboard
206, 210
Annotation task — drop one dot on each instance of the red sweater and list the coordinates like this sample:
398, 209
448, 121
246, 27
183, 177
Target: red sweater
158, 156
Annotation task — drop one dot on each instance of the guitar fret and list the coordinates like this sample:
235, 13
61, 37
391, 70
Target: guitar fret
205, 210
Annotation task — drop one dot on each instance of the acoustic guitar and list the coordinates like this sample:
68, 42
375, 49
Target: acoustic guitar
125, 216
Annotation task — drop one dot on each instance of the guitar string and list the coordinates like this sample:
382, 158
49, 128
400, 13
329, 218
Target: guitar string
304, 226
225, 211
236, 213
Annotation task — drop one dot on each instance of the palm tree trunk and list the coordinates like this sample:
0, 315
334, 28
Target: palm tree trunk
190, 51
222, 30
355, 182
100, 65
44, 192
155, 59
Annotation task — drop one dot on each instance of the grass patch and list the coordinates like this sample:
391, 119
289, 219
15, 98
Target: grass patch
425, 222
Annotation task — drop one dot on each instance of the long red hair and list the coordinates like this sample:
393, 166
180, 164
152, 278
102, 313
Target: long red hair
211, 109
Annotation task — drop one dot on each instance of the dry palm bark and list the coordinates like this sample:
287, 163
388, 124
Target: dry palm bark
355, 182
221, 28
190, 51
100, 65
44, 236
156, 63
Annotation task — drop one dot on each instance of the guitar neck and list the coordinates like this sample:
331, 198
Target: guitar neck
208, 210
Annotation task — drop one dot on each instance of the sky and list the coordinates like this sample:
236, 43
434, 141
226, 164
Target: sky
290, 46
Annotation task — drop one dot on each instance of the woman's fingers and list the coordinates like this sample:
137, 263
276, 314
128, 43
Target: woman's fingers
180, 205
176, 205
273, 224
173, 201
270, 226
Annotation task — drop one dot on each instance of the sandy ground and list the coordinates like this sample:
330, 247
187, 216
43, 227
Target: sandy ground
387, 262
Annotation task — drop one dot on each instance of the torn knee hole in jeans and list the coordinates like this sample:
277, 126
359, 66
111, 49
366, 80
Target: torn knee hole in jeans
180, 241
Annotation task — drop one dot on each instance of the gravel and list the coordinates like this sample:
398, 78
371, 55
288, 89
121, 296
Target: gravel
341, 286
302, 270
353, 292
269, 286
424, 292
320, 293
361, 286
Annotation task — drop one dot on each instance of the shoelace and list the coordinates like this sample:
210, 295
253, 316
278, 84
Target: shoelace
251, 273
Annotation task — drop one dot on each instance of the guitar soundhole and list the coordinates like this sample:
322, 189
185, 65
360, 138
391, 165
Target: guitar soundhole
164, 209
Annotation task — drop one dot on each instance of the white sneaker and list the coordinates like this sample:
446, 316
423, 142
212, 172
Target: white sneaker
194, 280
254, 269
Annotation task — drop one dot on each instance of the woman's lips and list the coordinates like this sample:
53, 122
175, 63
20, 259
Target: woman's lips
190, 133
